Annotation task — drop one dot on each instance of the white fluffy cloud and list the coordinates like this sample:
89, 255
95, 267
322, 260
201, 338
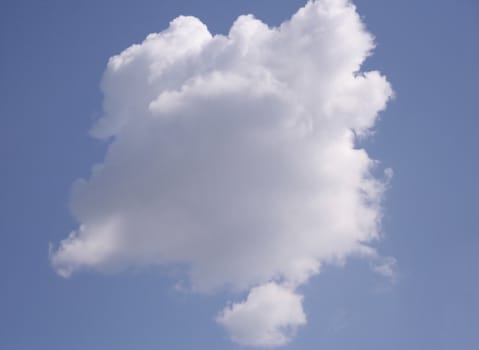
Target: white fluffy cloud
235, 155
268, 317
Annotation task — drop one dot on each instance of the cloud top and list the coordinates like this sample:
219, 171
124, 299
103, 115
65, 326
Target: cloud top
235, 155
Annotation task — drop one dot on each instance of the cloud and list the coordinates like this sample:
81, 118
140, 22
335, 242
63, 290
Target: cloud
386, 266
235, 156
268, 317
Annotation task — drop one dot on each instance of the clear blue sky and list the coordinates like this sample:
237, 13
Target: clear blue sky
52, 58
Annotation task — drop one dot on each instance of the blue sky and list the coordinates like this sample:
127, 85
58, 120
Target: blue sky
54, 54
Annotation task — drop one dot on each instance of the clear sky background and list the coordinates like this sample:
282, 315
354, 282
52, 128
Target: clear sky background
53, 54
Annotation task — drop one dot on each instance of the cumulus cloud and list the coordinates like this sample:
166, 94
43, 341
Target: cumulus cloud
235, 155
268, 317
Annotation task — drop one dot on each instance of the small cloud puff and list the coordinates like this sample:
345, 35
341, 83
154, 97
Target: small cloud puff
268, 317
